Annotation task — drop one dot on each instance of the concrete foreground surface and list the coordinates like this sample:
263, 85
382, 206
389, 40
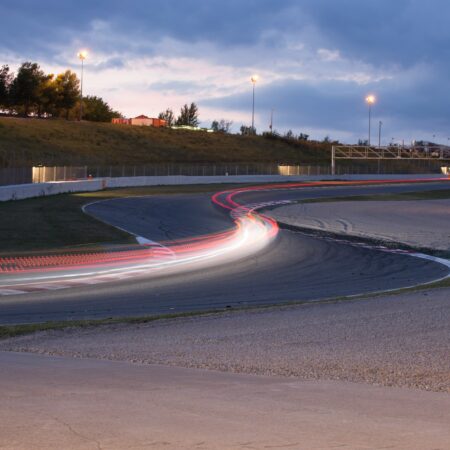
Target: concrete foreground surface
64, 403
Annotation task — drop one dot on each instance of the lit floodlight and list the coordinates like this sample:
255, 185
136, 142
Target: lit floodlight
82, 54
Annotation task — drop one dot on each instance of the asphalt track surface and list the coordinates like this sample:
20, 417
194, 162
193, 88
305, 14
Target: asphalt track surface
294, 267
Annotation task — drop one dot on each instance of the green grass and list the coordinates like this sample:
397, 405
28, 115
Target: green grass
61, 142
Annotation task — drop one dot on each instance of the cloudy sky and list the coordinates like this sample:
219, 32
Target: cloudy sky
317, 59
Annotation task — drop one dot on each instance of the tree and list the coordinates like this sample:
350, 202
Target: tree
6, 79
68, 92
222, 126
289, 135
25, 87
303, 137
96, 109
47, 96
188, 115
246, 131
168, 116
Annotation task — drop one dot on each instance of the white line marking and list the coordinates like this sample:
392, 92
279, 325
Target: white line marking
50, 287
11, 292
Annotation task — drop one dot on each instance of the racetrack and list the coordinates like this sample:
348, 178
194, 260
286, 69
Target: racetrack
294, 267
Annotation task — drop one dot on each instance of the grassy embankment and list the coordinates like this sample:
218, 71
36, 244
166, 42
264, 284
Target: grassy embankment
59, 142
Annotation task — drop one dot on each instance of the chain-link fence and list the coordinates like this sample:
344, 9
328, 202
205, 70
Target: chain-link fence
39, 174
11, 176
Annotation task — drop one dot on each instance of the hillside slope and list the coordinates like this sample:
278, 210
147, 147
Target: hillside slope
60, 142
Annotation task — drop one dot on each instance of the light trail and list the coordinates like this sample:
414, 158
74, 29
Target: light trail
251, 232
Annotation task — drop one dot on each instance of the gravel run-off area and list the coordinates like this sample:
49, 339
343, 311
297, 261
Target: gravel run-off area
416, 223
394, 340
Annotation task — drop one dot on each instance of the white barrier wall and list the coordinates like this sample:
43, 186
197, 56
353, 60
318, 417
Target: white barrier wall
23, 191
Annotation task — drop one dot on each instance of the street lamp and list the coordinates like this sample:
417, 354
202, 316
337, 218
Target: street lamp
370, 99
82, 55
254, 79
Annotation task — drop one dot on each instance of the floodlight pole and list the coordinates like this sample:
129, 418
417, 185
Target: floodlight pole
253, 79
271, 121
333, 160
380, 123
253, 109
82, 55
370, 99
81, 89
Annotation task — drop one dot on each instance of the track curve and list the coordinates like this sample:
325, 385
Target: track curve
294, 267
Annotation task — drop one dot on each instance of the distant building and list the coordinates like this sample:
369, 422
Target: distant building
121, 121
142, 121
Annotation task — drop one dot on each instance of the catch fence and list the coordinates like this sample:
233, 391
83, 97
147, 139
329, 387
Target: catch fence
39, 174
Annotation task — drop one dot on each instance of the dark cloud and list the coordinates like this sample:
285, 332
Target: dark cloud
33, 25
385, 32
377, 31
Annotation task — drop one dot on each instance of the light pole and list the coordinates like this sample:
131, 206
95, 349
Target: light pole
380, 124
370, 99
254, 79
271, 121
82, 55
